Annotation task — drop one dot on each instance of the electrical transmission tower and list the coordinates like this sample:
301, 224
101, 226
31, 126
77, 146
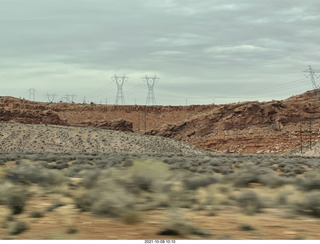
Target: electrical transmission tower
68, 98
151, 99
51, 97
120, 80
312, 73
32, 94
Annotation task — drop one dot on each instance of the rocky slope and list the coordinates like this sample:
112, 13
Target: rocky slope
252, 127
22, 138
248, 127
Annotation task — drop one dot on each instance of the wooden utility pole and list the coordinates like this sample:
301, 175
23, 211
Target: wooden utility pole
308, 132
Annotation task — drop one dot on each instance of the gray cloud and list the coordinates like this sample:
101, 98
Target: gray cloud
199, 48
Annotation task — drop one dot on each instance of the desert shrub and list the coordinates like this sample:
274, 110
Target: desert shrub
284, 195
274, 181
132, 217
310, 204
249, 174
72, 230
55, 205
5, 188
36, 214
16, 200
26, 173
90, 178
299, 170
250, 202
246, 227
195, 181
178, 225
17, 227
2, 162
84, 202
112, 204
75, 170
311, 181
149, 174
287, 168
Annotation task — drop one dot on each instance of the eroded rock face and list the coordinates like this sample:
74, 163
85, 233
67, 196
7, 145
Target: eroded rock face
248, 127
14, 111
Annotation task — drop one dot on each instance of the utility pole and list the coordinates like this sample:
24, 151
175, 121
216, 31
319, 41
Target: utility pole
151, 99
51, 97
312, 73
120, 80
307, 132
32, 94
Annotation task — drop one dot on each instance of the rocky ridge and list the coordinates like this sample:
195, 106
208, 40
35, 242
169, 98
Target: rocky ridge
247, 127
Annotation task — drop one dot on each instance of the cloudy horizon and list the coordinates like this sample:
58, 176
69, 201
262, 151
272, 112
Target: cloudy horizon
204, 51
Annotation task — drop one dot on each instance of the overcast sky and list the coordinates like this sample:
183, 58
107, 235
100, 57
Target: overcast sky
203, 51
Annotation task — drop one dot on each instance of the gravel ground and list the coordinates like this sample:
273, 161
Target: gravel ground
21, 138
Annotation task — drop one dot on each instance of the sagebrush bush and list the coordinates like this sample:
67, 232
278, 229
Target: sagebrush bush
274, 181
26, 174
250, 202
177, 225
113, 203
132, 217
148, 175
5, 188
36, 214
17, 227
310, 205
84, 202
193, 182
249, 173
91, 177
16, 200
311, 181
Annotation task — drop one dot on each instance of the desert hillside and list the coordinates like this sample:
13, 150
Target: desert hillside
23, 138
247, 127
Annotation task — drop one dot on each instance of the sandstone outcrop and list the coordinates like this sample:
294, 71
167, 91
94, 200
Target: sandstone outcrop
247, 127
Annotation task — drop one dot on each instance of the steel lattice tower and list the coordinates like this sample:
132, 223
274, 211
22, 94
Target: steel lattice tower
32, 94
151, 99
51, 97
312, 73
120, 80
